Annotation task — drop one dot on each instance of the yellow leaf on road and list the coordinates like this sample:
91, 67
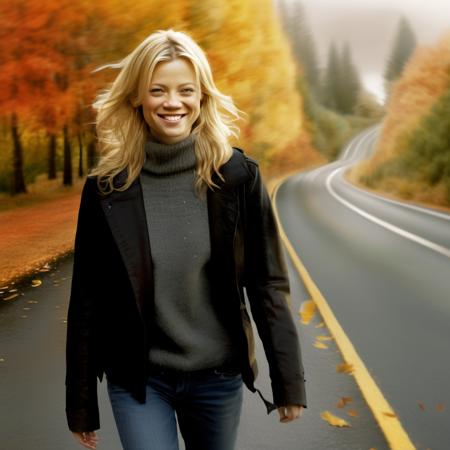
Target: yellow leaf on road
343, 401
345, 367
440, 407
36, 283
353, 413
334, 420
10, 297
324, 338
319, 344
307, 311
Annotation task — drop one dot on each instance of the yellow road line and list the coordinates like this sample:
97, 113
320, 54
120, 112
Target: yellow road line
395, 434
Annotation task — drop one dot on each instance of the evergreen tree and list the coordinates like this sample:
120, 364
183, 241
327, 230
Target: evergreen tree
331, 79
404, 45
341, 84
302, 41
349, 84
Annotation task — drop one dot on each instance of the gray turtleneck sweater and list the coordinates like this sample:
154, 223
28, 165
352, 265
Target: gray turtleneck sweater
189, 335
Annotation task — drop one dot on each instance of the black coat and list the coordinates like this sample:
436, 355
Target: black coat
109, 324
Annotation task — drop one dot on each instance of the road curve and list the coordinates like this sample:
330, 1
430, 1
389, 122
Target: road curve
383, 267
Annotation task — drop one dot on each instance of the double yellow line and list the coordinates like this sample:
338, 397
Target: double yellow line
389, 423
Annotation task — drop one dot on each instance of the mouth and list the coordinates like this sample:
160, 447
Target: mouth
172, 118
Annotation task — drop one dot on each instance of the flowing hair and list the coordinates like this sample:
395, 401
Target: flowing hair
122, 130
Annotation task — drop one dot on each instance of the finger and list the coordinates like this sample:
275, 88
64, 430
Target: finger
282, 412
89, 440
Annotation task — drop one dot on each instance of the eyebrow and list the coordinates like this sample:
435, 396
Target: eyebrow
181, 84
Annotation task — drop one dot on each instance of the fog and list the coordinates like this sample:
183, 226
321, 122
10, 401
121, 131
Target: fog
369, 26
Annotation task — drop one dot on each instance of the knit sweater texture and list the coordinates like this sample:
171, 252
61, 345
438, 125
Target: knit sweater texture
189, 335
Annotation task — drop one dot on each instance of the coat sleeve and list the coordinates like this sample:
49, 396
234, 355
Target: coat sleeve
268, 291
81, 379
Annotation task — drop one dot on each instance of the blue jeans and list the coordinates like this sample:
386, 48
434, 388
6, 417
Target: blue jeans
207, 405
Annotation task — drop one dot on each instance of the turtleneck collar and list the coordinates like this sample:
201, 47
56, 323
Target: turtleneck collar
169, 159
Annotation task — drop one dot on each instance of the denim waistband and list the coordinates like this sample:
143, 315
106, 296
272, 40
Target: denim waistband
225, 368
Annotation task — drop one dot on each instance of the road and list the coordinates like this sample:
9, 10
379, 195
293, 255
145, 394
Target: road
384, 269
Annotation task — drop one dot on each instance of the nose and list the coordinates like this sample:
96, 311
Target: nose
172, 101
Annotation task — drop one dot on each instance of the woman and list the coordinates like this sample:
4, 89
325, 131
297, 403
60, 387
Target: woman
173, 224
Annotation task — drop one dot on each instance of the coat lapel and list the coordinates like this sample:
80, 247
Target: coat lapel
125, 214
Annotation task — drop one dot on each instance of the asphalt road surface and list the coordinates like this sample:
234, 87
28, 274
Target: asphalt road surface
384, 269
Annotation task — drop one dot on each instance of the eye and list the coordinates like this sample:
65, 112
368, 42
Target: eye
187, 90
156, 90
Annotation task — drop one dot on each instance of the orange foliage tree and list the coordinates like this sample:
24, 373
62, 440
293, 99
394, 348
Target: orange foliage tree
49, 49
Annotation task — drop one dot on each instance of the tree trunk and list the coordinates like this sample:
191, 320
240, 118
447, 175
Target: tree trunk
52, 156
18, 181
67, 169
80, 156
91, 148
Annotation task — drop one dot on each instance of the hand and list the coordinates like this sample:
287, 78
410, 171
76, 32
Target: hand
87, 439
289, 413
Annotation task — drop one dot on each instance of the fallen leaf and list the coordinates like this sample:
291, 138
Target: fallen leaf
307, 311
421, 406
24, 316
389, 414
26, 308
32, 301
324, 338
345, 367
440, 407
36, 283
343, 401
10, 297
319, 325
334, 420
353, 413
319, 344
2, 359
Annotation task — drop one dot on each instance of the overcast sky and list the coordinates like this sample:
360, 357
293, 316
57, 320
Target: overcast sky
369, 26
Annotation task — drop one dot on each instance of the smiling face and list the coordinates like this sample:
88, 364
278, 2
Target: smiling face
172, 101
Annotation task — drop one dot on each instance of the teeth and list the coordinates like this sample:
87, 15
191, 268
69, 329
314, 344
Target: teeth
172, 118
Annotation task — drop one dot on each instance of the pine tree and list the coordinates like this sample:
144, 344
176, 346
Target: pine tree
302, 41
331, 79
404, 45
349, 84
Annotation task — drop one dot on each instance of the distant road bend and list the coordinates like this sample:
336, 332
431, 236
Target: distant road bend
384, 268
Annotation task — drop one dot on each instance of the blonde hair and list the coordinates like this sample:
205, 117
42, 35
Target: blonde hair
122, 130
